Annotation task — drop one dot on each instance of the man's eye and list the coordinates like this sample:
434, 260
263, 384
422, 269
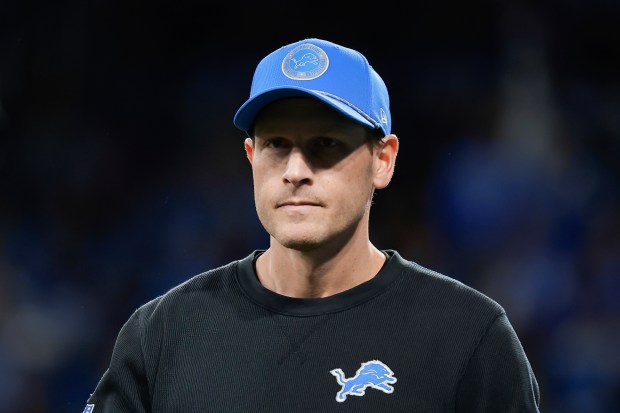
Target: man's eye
327, 143
275, 143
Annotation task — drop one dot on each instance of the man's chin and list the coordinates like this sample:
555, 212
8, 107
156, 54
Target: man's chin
299, 243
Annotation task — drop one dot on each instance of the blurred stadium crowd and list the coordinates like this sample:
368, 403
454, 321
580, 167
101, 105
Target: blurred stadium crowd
121, 174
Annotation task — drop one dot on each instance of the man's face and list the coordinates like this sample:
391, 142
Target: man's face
313, 172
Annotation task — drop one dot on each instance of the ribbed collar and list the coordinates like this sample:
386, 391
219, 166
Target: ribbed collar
304, 307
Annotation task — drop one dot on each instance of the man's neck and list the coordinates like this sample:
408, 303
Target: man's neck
301, 274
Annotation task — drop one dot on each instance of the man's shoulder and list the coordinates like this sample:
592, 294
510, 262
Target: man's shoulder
199, 290
436, 288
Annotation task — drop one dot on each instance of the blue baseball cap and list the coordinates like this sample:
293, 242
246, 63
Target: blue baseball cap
334, 74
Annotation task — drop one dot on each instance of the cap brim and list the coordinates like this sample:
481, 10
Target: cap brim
246, 115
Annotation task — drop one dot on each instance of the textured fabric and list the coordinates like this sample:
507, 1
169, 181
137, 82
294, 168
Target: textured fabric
408, 340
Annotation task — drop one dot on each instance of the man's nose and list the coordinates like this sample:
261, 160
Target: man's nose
298, 169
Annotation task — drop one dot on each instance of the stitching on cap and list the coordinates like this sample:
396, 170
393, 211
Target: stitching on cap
352, 106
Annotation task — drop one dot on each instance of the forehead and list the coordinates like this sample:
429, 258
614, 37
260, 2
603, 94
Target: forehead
303, 112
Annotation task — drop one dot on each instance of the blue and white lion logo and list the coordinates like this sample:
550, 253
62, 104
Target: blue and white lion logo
373, 374
308, 58
305, 62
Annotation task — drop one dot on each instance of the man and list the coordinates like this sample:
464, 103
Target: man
322, 320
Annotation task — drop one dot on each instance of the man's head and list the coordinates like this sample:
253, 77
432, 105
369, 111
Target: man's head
338, 76
317, 157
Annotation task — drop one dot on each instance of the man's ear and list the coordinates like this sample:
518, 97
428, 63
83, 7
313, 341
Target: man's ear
385, 161
249, 148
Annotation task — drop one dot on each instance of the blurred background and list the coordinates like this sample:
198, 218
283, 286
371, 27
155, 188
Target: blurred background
122, 175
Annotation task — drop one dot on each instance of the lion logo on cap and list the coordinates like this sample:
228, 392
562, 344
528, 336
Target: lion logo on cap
305, 62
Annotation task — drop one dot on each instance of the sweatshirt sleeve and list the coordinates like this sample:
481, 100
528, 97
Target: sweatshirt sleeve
123, 387
498, 377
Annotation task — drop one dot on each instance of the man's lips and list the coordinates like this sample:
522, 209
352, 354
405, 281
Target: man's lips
297, 203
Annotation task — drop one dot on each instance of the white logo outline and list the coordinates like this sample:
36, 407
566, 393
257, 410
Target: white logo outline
373, 373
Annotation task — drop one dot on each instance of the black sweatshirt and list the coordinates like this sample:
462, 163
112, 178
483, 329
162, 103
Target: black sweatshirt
408, 340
